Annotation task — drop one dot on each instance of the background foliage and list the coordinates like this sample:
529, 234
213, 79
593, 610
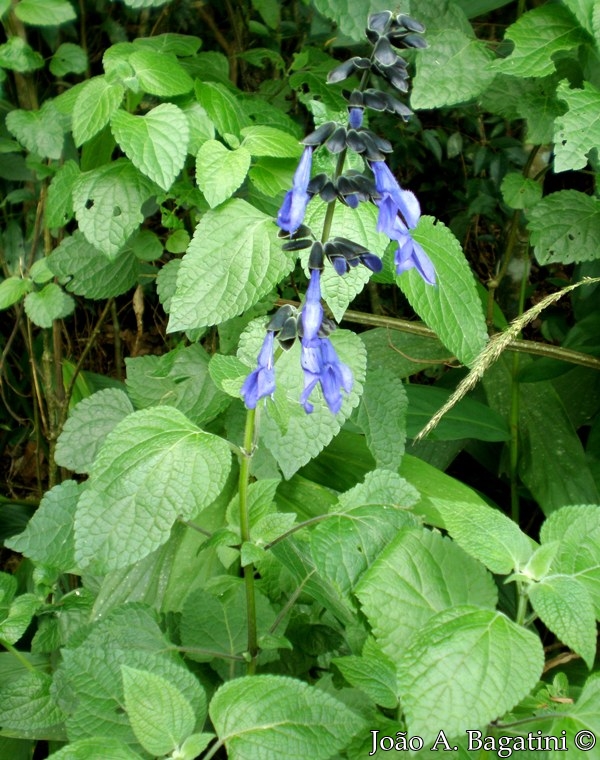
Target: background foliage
169, 589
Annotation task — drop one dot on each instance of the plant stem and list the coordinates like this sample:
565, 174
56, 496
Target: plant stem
84, 353
213, 750
522, 603
246, 457
19, 655
117, 339
514, 418
339, 167
418, 328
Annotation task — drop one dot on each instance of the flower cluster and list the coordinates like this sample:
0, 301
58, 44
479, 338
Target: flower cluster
399, 213
318, 358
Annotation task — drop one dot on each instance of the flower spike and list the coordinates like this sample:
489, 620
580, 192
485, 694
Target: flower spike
261, 381
293, 208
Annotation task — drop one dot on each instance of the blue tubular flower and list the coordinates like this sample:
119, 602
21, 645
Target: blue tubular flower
355, 117
322, 365
312, 311
399, 213
261, 381
294, 204
393, 198
409, 255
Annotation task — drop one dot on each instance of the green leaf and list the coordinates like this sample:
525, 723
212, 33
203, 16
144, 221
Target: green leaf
96, 748
379, 487
88, 680
182, 45
272, 176
584, 717
373, 672
486, 534
541, 560
44, 12
107, 203
504, 660
553, 464
17, 55
194, 745
201, 126
234, 259
538, 35
307, 434
89, 272
48, 537
565, 227
268, 141
452, 308
228, 373
344, 545
96, 102
531, 99
155, 143
40, 272
565, 607
68, 59
154, 467
214, 620
219, 171
147, 246
577, 132
59, 206
359, 225
160, 73
520, 192
577, 530
137, 4
19, 616
89, 423
177, 242
382, 415
39, 131
453, 69
181, 379
418, 574
467, 419
269, 11
26, 705
48, 304
160, 715
222, 107
12, 290
349, 15
272, 717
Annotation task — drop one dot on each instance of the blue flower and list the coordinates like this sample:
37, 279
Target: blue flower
322, 365
261, 381
355, 117
410, 254
399, 213
312, 311
293, 208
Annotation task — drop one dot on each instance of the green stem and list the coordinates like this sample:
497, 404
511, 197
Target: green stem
522, 603
246, 457
18, 655
514, 418
208, 653
213, 750
530, 347
339, 168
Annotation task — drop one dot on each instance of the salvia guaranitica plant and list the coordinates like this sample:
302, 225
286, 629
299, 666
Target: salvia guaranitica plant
399, 212
232, 542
